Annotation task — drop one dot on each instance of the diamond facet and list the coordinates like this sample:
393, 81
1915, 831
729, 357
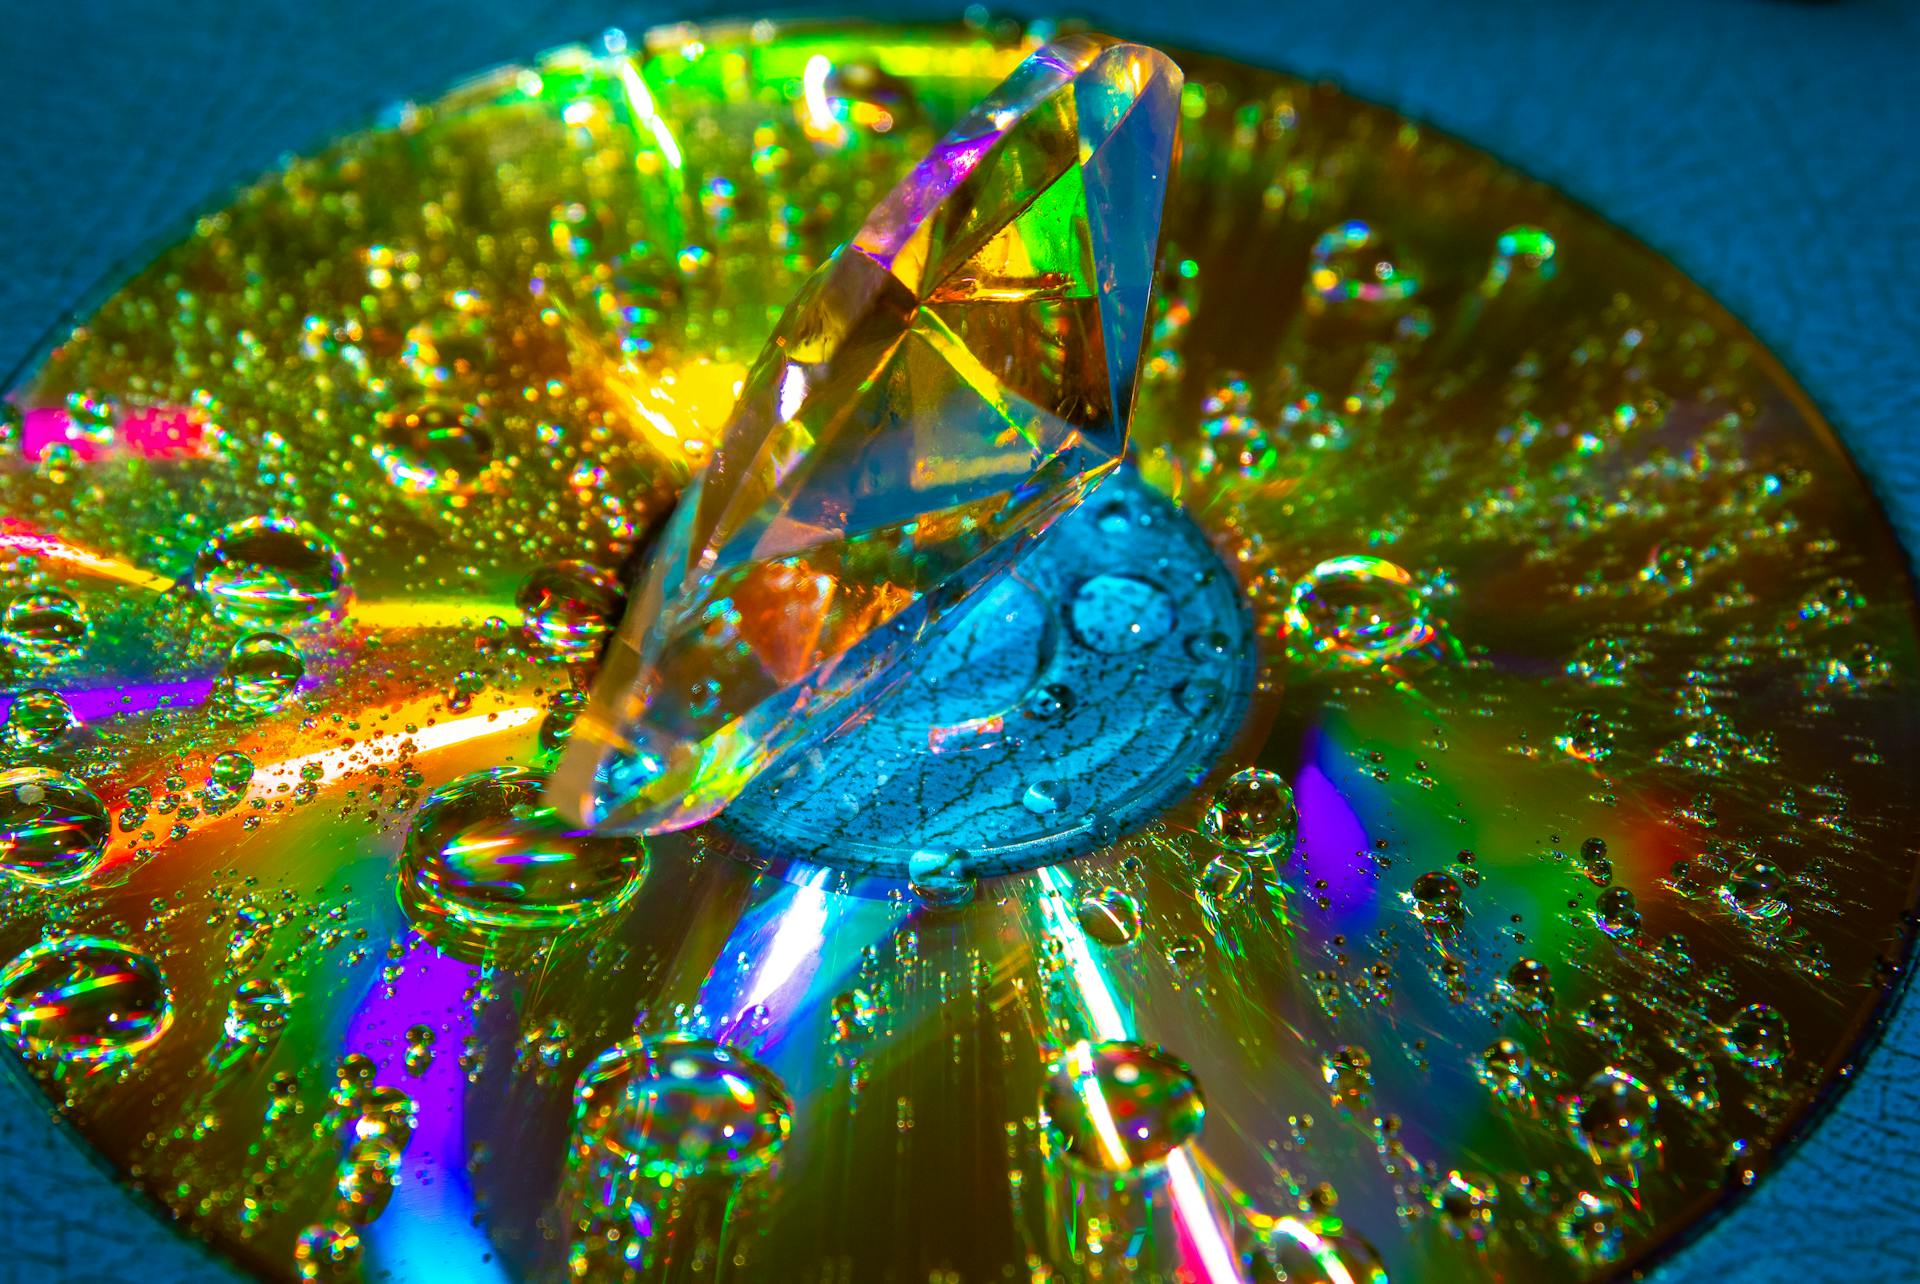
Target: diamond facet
944, 387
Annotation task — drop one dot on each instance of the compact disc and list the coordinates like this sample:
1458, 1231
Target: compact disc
1441, 810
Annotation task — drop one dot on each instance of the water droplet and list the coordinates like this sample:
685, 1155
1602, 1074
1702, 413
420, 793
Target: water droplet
1120, 614
1613, 1115
569, 607
1693, 1086
266, 570
853, 1013
1044, 797
1226, 879
1589, 1227
1617, 913
53, 829
366, 1179
258, 1011
1348, 1072
1121, 1106
386, 1111
1757, 1036
419, 1055
1437, 901
1466, 1203
1049, 703
47, 627
682, 1108
1504, 1067
562, 712
1351, 263
39, 717
262, 670
327, 1251
1211, 647
436, 448
1520, 253
485, 855
1253, 814
1357, 611
1198, 697
940, 879
230, 771
83, 998
1530, 984
1756, 892
1588, 737
1110, 916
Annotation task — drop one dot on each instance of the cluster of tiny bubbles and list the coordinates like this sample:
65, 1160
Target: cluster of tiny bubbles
261, 671
327, 1251
1117, 614
1119, 1106
1357, 611
1437, 901
1756, 1037
270, 571
1756, 892
1466, 1203
1351, 263
1504, 1066
258, 1011
1253, 814
1613, 1115
53, 828
1348, 1073
681, 1108
46, 627
1110, 916
1589, 1227
37, 719
485, 854
940, 880
569, 607
1617, 913
83, 999
436, 448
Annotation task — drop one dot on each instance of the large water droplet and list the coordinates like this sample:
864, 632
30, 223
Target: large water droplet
1120, 1106
436, 448
53, 829
1323, 1252
83, 999
485, 855
1613, 1115
46, 627
569, 606
1757, 892
37, 719
270, 571
1757, 1036
262, 670
940, 880
368, 1174
1118, 614
1437, 901
1253, 814
1110, 916
682, 1108
1357, 611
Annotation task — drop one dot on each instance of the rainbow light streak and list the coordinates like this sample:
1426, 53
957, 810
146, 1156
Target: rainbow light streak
641, 100
427, 1233
389, 746
18, 540
1201, 1235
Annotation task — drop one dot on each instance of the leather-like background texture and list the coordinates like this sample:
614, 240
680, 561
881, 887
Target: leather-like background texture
1764, 146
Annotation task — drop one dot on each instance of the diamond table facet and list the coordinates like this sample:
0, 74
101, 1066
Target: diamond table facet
945, 386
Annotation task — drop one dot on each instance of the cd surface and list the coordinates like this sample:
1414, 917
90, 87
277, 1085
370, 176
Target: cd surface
1492, 877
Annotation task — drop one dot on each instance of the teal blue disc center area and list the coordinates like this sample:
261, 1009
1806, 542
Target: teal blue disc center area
1073, 699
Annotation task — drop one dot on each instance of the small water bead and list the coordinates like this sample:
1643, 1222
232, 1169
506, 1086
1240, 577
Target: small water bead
83, 999
262, 670
569, 607
1357, 611
940, 880
1050, 703
353, 1079
1520, 252
1613, 1115
1226, 879
1351, 263
1211, 647
1605, 1017
386, 1111
1757, 1036
367, 1176
37, 719
436, 449
485, 854
1198, 697
1120, 1106
1348, 1074
1693, 1085
1530, 984
419, 1055
1437, 901
1467, 1203
1120, 614
327, 1251
1253, 814
1617, 913
1589, 1227
853, 1014
270, 571
53, 829
1504, 1067
680, 1108
1756, 892
1110, 916
1588, 736
1045, 797
46, 627
231, 771
258, 1011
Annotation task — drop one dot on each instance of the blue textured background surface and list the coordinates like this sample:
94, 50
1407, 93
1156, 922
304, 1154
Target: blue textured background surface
1762, 145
